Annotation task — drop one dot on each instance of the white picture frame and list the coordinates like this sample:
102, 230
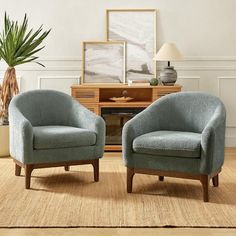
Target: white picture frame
104, 62
138, 28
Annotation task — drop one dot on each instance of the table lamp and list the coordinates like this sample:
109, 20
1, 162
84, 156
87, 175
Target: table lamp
168, 52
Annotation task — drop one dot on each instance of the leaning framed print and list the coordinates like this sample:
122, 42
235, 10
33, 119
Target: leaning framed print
103, 62
138, 28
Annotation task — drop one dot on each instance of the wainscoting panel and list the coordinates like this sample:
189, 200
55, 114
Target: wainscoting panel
60, 83
189, 83
227, 94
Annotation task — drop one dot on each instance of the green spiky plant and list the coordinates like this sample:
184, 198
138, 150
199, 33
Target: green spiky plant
18, 45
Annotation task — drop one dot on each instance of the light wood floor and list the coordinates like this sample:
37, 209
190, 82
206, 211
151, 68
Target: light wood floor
118, 232
230, 154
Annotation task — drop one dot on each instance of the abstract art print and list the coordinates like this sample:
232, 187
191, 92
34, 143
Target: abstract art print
103, 62
138, 28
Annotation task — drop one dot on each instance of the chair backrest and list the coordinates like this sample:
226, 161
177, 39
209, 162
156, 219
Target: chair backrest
188, 111
44, 107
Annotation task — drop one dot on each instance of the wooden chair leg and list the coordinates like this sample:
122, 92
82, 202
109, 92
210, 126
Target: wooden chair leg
96, 170
215, 180
130, 175
161, 178
17, 170
205, 185
28, 171
67, 168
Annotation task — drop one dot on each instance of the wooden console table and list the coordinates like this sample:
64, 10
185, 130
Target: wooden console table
97, 97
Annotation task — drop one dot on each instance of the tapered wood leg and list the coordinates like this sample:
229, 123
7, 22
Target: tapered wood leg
67, 168
17, 170
205, 185
161, 178
130, 175
28, 171
215, 180
96, 170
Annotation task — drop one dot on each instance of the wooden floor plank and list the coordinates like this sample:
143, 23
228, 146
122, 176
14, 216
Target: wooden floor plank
118, 232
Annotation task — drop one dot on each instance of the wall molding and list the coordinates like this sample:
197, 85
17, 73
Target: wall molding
75, 64
198, 78
40, 78
230, 140
205, 68
159, 68
60, 59
186, 58
48, 68
220, 78
220, 95
210, 58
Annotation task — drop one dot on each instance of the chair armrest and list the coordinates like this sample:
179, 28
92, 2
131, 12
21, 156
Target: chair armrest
213, 142
21, 135
81, 117
144, 122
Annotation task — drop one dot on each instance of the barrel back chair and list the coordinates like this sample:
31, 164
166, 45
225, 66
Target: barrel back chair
179, 135
49, 128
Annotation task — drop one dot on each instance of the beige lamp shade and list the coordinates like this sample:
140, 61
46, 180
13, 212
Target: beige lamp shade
168, 52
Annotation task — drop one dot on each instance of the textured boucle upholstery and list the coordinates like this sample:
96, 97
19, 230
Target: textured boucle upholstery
169, 143
193, 112
47, 137
31, 112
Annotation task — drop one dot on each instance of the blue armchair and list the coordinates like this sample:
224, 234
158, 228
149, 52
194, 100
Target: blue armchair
49, 128
179, 135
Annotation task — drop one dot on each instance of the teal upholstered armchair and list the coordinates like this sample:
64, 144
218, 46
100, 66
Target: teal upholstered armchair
179, 135
49, 128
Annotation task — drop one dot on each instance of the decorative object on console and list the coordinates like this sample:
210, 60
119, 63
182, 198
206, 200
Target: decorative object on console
154, 82
122, 99
138, 28
168, 52
103, 62
135, 82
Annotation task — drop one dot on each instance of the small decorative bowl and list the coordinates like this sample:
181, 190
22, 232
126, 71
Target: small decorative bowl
121, 99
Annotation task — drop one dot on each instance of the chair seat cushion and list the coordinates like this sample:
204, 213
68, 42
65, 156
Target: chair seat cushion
49, 137
169, 143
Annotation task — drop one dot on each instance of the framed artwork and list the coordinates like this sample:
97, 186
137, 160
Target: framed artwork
103, 62
138, 28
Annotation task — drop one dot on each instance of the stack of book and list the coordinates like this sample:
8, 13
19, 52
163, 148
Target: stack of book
133, 82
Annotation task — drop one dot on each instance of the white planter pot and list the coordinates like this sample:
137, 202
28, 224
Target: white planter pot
4, 140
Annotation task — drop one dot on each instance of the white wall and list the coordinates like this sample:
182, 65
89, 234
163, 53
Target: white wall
204, 30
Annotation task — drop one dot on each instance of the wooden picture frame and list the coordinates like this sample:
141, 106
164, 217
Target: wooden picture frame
138, 28
103, 62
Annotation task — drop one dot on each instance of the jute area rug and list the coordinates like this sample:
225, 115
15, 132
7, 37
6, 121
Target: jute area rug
72, 199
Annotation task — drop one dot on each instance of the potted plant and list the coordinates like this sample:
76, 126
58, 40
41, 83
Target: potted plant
18, 45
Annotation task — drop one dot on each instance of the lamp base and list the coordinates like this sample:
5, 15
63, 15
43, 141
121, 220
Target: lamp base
168, 76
